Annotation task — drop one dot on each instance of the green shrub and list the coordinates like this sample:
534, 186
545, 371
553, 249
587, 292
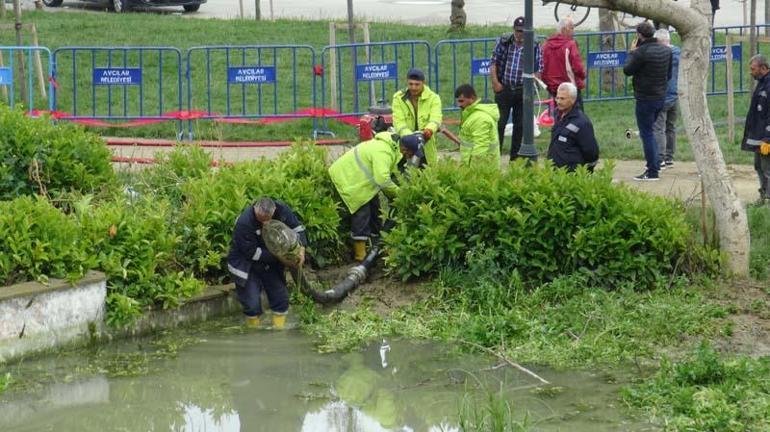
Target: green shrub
134, 243
213, 202
543, 222
38, 241
707, 393
759, 224
40, 157
173, 169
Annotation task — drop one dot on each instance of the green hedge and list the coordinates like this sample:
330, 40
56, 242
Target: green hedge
41, 157
214, 201
543, 222
38, 241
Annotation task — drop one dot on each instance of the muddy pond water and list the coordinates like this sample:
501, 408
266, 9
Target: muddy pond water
222, 377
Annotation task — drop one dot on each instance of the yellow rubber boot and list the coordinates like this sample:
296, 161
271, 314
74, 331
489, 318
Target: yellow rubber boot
279, 321
253, 322
359, 250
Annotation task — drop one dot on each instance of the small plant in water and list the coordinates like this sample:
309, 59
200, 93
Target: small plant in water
495, 414
5, 381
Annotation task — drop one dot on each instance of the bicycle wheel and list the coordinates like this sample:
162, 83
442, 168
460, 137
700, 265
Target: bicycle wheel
578, 13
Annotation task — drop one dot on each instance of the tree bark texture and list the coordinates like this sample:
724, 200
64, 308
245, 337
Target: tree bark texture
693, 23
457, 18
607, 25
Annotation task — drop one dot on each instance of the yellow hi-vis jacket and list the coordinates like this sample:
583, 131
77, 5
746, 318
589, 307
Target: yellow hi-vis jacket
428, 116
365, 170
478, 134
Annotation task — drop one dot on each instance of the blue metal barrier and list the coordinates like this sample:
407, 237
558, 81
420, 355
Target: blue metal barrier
30, 62
604, 56
251, 82
381, 65
119, 83
462, 61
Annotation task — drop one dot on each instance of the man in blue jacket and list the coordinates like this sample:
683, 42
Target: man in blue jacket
756, 134
573, 142
665, 125
254, 268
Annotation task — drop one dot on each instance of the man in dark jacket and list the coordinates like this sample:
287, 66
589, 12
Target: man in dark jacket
649, 63
254, 268
573, 142
756, 134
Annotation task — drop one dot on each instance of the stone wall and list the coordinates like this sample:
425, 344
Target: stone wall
35, 317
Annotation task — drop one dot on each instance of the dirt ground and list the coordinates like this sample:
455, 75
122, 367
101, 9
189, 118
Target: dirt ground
680, 181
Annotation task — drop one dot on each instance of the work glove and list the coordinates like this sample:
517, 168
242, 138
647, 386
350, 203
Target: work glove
764, 149
427, 133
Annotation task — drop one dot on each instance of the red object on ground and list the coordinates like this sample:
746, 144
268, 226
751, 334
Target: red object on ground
150, 161
147, 142
365, 131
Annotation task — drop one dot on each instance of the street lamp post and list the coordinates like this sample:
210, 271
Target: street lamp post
528, 148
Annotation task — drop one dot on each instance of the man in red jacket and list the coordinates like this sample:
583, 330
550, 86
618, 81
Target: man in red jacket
561, 61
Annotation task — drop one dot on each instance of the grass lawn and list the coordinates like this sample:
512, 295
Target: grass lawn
56, 30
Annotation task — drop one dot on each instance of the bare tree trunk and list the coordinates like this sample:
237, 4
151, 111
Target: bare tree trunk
457, 18
607, 25
693, 23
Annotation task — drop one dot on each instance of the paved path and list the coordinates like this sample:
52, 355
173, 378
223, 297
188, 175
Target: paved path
406, 11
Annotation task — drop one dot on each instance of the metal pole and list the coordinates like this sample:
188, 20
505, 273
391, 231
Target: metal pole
528, 148
753, 30
351, 29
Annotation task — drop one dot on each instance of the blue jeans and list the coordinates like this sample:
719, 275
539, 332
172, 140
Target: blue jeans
646, 113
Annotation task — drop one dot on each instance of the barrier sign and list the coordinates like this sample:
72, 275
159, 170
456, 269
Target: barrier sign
6, 76
480, 66
719, 53
117, 76
251, 75
376, 72
607, 59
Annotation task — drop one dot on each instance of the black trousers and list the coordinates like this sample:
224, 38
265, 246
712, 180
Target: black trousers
268, 277
510, 102
365, 222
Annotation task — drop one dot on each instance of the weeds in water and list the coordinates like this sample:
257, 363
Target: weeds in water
707, 392
495, 414
5, 381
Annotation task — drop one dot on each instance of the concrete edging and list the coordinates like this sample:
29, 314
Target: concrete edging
37, 317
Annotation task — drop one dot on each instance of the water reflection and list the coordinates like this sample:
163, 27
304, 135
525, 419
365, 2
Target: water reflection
255, 381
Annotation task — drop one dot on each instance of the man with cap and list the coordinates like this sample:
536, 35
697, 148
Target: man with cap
507, 74
418, 109
253, 268
362, 173
649, 63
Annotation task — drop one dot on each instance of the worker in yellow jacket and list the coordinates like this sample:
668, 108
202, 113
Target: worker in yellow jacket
418, 108
361, 173
478, 128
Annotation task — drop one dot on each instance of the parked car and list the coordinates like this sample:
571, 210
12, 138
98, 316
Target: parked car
124, 5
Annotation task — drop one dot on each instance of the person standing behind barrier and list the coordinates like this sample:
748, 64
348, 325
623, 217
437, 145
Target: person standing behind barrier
756, 133
478, 128
665, 124
418, 108
573, 142
562, 62
649, 63
507, 74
